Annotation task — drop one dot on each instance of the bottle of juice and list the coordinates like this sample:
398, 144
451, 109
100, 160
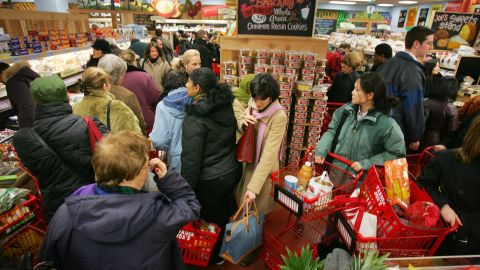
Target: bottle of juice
305, 174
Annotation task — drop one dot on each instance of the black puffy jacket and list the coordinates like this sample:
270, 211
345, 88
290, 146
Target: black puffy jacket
208, 138
67, 135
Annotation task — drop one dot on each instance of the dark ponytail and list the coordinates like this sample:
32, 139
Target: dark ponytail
207, 80
374, 83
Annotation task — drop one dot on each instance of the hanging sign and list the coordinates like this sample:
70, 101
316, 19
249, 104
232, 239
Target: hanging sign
401, 18
422, 17
412, 16
325, 26
435, 8
277, 18
454, 29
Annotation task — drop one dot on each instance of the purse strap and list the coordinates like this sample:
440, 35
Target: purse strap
93, 132
244, 220
52, 152
109, 105
337, 134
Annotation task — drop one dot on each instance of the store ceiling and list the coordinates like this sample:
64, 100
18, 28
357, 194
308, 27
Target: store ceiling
394, 2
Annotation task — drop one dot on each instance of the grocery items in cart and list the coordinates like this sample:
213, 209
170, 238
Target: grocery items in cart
196, 241
8, 156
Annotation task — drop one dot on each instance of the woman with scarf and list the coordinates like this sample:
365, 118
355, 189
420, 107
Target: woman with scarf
270, 122
208, 142
155, 64
242, 98
167, 128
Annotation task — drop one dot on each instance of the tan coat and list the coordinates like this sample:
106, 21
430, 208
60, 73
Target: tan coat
258, 179
95, 104
157, 70
130, 99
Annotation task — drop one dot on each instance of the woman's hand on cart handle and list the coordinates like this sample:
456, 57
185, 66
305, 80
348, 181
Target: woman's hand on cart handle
319, 159
249, 119
439, 147
339, 158
356, 166
249, 196
450, 216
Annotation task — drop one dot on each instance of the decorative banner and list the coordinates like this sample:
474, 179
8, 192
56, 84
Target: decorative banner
422, 17
401, 18
412, 16
387, 16
340, 16
278, 18
454, 6
325, 26
454, 29
436, 7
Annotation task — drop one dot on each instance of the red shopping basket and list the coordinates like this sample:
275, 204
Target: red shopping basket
417, 162
310, 209
27, 240
393, 236
26, 212
196, 244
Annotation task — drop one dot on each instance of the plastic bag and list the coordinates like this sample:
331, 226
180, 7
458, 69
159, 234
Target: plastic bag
423, 214
397, 184
9, 196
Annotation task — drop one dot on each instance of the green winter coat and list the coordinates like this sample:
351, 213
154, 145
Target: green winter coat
372, 140
95, 104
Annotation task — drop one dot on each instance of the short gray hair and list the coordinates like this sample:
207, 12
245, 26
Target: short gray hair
113, 65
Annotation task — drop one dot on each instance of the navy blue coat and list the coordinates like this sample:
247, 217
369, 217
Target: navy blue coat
405, 79
122, 231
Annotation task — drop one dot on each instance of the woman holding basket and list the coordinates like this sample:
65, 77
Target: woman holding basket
364, 131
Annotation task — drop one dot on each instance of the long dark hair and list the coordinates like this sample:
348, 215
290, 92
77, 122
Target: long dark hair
429, 66
147, 51
374, 83
207, 80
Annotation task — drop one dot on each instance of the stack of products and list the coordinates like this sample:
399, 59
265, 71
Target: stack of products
42, 41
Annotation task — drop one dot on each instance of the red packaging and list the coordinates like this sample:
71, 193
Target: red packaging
308, 71
299, 120
261, 68
246, 60
301, 108
301, 115
278, 54
262, 60
294, 64
276, 61
302, 101
291, 70
245, 66
316, 121
286, 86
278, 69
320, 102
423, 214
285, 93
310, 64
286, 101
308, 77
298, 128
298, 134
319, 109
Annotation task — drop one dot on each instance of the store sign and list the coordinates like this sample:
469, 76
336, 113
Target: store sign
144, 19
159, 19
278, 18
325, 26
435, 8
401, 18
422, 17
340, 16
412, 16
454, 29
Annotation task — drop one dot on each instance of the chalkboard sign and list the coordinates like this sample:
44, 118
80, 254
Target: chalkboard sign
422, 17
468, 66
144, 19
325, 26
277, 18
454, 29
401, 18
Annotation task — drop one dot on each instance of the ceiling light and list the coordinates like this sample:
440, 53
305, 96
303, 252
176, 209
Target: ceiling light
407, 2
361, 0
342, 2
385, 5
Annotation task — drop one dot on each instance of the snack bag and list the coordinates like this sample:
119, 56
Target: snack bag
423, 214
397, 183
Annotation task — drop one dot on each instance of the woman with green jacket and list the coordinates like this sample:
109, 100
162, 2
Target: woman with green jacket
368, 135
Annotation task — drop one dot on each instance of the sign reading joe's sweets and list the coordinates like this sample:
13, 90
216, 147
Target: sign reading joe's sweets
276, 17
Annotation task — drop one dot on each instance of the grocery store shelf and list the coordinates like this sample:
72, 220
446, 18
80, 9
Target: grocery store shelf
447, 67
37, 56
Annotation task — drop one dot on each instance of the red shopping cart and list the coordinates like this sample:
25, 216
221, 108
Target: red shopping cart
394, 235
22, 229
196, 243
303, 221
417, 162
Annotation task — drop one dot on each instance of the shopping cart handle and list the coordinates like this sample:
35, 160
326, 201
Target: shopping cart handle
342, 159
454, 228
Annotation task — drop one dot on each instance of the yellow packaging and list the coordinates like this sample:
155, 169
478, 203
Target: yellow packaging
397, 181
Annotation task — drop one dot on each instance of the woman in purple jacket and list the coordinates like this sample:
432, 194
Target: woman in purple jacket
142, 84
113, 224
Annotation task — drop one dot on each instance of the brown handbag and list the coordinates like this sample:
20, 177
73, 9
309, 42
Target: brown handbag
246, 145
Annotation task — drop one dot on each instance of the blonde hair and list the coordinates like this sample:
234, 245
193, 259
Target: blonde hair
129, 56
120, 156
178, 64
471, 144
353, 59
94, 78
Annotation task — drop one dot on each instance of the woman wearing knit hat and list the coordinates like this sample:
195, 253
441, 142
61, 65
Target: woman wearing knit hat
100, 48
66, 134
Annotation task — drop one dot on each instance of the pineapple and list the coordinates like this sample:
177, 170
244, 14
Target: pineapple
304, 261
370, 261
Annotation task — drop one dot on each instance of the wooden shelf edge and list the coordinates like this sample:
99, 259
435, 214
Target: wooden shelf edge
78, 10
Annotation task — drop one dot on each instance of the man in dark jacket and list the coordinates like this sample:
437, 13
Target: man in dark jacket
113, 224
66, 134
202, 47
138, 47
18, 79
405, 79
383, 52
